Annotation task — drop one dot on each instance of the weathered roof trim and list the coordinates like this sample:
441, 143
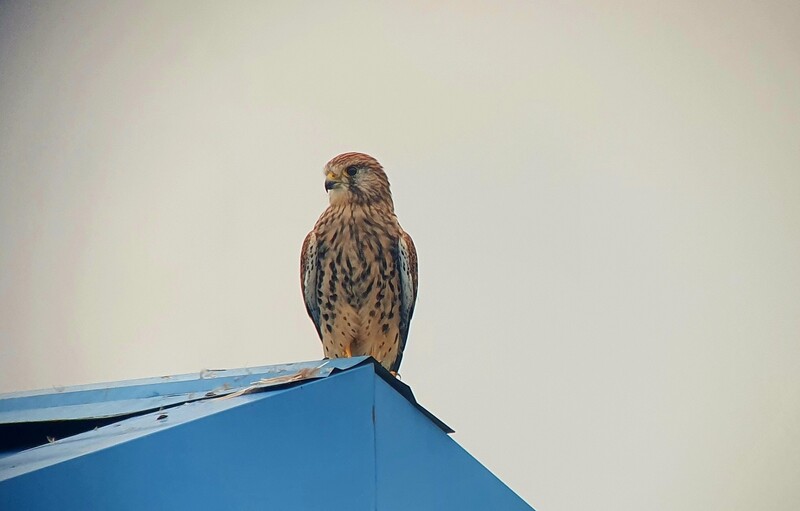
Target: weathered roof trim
24, 416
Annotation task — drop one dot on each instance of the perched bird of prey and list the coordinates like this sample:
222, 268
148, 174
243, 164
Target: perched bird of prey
358, 268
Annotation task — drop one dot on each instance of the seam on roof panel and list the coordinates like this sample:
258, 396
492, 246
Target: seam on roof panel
375, 440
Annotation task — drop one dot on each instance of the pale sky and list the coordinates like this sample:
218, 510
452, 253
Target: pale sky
605, 198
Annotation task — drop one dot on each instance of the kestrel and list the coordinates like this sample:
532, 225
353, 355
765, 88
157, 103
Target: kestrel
358, 268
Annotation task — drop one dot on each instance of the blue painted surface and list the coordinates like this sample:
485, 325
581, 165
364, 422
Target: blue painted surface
131, 396
420, 467
354, 440
306, 447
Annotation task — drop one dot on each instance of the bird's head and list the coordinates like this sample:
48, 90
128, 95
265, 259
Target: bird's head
356, 178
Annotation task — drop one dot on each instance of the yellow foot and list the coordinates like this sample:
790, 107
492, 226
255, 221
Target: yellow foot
347, 352
395, 374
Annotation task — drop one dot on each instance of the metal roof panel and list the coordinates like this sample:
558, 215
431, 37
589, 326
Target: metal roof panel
135, 396
32, 418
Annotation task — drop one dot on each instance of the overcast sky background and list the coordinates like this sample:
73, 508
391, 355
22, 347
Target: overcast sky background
605, 198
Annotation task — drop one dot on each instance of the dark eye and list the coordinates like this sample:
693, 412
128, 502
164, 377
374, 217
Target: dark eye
351, 170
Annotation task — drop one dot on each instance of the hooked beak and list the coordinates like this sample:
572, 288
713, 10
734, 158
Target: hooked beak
331, 182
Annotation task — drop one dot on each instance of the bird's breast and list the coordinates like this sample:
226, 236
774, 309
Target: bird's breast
359, 262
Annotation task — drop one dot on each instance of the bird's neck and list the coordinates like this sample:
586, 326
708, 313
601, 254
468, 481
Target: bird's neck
363, 202
357, 213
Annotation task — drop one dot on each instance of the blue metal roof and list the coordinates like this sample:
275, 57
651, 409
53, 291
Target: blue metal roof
32, 418
331, 435
128, 397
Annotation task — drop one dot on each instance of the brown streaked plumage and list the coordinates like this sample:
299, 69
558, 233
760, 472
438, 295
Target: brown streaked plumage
358, 268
